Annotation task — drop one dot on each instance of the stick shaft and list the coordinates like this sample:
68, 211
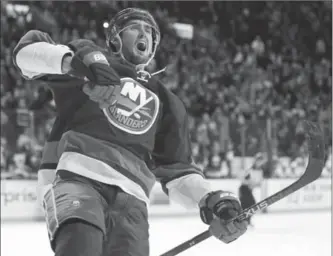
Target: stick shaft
312, 172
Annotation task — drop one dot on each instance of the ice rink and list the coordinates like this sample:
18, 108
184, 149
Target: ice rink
300, 234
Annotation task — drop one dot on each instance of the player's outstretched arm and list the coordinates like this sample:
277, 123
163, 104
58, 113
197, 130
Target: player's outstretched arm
184, 182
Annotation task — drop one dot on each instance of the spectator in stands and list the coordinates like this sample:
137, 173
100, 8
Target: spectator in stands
19, 169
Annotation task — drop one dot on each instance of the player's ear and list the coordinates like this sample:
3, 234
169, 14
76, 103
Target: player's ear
115, 44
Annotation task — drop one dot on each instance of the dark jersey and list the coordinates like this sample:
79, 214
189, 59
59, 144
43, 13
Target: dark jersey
142, 137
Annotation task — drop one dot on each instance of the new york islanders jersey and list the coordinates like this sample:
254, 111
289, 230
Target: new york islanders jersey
143, 136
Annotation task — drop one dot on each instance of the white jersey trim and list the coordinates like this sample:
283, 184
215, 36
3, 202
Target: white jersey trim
41, 58
100, 171
188, 190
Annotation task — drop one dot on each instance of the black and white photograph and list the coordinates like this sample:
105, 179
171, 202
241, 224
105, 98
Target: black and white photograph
164, 128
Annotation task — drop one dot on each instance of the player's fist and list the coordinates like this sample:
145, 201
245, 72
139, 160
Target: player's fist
103, 95
216, 208
90, 62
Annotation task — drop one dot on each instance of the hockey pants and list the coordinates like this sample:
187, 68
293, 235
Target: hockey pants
88, 218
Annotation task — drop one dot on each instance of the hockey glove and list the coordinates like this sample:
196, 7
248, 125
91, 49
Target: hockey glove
103, 95
91, 63
216, 208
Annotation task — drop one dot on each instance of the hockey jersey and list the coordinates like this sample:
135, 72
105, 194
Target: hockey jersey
142, 137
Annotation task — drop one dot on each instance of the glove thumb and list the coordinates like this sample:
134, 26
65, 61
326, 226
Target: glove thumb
87, 88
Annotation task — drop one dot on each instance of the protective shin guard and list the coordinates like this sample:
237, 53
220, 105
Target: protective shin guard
78, 238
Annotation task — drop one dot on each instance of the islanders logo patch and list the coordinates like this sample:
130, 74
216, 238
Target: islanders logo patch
135, 109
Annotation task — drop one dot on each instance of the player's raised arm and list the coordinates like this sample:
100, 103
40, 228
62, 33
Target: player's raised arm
185, 183
36, 55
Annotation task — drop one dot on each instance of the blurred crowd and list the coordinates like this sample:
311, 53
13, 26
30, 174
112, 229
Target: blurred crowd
249, 75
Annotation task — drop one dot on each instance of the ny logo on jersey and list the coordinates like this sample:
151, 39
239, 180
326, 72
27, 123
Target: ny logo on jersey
136, 108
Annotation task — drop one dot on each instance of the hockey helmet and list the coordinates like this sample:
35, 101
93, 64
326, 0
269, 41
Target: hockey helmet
118, 24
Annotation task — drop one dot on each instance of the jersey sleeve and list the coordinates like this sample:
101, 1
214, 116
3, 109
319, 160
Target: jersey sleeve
37, 55
172, 153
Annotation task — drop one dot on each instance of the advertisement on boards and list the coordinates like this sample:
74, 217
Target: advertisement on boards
315, 196
19, 200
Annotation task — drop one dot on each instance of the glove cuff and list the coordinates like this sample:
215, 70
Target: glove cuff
206, 213
213, 202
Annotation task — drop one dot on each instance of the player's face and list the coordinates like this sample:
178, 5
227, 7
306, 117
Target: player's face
137, 39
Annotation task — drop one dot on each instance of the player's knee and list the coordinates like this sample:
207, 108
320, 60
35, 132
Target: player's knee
76, 237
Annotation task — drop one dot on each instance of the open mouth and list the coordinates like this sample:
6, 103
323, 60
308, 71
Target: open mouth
141, 46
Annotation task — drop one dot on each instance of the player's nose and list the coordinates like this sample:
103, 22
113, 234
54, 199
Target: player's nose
142, 37
142, 29
141, 34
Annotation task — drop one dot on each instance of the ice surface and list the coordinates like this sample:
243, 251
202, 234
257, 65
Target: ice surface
285, 234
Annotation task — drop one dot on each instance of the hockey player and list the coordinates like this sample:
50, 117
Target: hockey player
253, 178
117, 130
245, 193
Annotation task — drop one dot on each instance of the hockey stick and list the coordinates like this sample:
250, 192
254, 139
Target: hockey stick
313, 171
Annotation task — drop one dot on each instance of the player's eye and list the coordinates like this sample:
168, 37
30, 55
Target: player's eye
133, 27
148, 29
